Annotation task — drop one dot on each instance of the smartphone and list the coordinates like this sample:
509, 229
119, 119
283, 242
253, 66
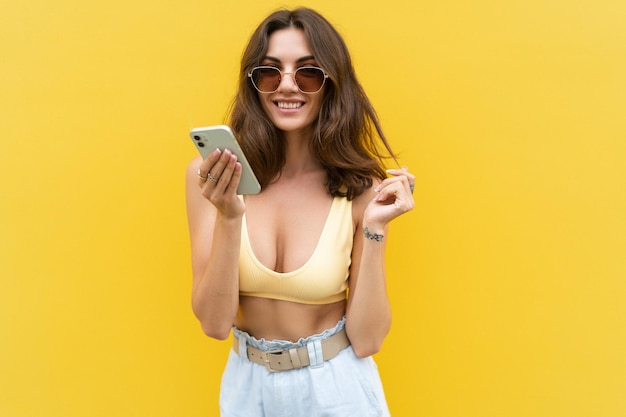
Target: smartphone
207, 139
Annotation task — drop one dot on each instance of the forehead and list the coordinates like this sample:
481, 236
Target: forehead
288, 44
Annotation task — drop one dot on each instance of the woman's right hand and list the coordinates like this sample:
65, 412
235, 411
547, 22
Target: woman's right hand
218, 177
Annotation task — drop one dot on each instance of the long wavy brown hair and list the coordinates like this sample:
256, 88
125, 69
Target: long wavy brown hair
347, 137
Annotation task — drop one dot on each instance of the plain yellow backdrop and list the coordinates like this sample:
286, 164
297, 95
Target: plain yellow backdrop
508, 280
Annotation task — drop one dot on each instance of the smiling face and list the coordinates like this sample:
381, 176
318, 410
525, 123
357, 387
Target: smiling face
288, 108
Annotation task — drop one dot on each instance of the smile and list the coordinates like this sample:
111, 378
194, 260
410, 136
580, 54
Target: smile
283, 105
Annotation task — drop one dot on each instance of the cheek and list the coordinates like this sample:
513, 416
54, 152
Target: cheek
266, 105
316, 106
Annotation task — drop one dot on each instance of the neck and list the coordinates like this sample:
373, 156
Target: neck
298, 157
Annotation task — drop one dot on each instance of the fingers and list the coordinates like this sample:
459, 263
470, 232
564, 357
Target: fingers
219, 173
388, 191
404, 172
208, 177
393, 197
211, 162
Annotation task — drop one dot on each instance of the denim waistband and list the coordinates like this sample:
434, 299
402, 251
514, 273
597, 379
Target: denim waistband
267, 345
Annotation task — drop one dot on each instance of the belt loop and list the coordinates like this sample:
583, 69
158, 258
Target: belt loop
243, 348
316, 356
295, 359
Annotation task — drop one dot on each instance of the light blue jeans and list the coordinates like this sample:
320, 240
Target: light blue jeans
344, 386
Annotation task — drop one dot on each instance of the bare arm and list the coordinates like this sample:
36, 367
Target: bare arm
214, 214
368, 316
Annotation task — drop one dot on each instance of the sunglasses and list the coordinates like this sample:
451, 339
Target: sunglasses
309, 80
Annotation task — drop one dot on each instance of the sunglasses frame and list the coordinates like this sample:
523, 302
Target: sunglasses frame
293, 77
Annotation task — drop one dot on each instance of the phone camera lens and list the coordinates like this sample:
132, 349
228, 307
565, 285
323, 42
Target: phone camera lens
200, 144
196, 137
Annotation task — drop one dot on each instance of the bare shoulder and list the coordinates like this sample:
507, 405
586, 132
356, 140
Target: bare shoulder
197, 205
360, 203
192, 167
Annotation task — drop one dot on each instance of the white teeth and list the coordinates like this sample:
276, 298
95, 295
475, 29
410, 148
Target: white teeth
289, 105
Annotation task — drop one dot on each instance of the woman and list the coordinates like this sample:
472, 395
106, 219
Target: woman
297, 271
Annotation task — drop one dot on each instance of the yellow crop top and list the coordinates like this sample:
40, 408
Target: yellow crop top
323, 279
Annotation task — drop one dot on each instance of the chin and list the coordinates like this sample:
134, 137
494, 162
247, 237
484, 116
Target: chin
292, 126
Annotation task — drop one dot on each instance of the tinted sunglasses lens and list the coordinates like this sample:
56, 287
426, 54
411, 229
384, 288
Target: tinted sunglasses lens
309, 79
266, 80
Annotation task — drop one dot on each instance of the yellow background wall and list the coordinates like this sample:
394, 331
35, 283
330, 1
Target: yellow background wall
507, 281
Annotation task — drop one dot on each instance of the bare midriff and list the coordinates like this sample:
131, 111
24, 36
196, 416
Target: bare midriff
269, 319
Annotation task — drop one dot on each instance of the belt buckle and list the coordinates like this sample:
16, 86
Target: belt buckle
277, 360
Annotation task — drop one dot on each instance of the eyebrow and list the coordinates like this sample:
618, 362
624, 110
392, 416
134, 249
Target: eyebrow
304, 58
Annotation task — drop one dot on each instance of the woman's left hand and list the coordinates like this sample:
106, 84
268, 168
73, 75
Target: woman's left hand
394, 196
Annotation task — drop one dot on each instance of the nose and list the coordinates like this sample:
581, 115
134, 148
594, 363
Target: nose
288, 82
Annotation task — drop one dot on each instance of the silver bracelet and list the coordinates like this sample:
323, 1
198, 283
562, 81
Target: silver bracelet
372, 236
